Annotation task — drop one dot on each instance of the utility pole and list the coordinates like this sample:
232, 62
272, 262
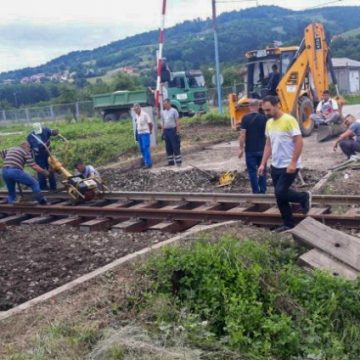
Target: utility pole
217, 64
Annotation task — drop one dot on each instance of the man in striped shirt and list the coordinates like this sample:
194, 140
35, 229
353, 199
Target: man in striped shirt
13, 172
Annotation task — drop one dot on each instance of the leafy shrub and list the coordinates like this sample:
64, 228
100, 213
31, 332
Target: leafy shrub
254, 299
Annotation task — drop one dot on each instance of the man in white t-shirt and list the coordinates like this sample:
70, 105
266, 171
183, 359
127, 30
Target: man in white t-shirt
144, 128
284, 145
327, 111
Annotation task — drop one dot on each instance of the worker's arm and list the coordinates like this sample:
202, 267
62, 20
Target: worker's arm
298, 145
3, 153
39, 169
348, 134
265, 158
242, 139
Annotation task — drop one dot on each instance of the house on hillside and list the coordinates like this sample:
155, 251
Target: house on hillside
347, 73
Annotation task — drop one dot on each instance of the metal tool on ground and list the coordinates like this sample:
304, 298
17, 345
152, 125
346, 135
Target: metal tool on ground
226, 178
302, 181
77, 187
344, 165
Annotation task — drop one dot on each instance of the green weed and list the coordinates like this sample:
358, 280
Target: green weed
255, 300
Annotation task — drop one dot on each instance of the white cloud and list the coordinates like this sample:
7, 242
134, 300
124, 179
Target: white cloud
33, 32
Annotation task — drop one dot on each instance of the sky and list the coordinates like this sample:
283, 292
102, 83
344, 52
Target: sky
33, 32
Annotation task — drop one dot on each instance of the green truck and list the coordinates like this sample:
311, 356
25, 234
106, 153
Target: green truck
186, 91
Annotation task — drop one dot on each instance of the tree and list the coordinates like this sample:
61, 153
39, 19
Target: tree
126, 82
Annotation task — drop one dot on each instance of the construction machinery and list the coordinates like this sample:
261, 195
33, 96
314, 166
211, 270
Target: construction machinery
304, 73
79, 188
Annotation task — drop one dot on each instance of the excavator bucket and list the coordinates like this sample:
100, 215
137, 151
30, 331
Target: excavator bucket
237, 110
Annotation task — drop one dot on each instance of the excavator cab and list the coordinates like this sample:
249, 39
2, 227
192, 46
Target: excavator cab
259, 68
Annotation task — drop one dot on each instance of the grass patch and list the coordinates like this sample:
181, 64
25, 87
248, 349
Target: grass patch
352, 99
252, 298
95, 141
211, 117
68, 341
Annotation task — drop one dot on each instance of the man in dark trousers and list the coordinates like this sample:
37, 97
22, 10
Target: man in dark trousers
252, 139
284, 144
40, 153
13, 172
170, 132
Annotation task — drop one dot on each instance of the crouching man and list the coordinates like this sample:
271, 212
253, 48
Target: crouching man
13, 172
89, 172
349, 140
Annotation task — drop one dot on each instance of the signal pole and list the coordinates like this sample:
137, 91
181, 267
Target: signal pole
217, 64
158, 94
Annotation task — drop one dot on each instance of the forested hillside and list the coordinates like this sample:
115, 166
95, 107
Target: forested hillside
190, 44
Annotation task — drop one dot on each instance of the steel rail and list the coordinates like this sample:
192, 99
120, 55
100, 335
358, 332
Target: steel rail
206, 197
260, 218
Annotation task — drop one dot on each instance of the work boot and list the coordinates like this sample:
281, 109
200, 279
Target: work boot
308, 203
282, 229
43, 201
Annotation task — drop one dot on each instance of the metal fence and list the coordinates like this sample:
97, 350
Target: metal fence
73, 111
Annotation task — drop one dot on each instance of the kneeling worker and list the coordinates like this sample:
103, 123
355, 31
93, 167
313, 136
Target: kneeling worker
13, 172
87, 171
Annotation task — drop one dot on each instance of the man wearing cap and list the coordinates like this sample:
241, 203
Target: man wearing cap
252, 140
37, 138
144, 127
13, 172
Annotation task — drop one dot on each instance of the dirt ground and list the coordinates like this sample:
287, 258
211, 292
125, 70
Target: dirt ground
37, 259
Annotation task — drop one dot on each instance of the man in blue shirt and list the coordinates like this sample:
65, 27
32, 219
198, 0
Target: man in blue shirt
349, 140
41, 154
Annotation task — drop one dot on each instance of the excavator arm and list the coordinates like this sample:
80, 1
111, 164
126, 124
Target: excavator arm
312, 58
311, 63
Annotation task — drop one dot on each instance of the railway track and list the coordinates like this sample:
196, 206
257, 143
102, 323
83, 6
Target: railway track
173, 212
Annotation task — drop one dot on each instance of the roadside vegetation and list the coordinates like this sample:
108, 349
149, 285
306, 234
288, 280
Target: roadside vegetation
352, 100
252, 298
216, 297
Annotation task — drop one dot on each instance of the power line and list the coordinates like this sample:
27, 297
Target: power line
236, 1
324, 4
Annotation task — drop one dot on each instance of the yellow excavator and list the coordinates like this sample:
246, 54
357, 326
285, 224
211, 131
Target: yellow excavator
304, 73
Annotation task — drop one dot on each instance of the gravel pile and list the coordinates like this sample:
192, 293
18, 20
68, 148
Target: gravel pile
192, 180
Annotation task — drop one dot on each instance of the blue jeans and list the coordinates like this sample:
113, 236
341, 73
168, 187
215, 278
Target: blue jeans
284, 195
144, 144
253, 161
42, 161
12, 176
